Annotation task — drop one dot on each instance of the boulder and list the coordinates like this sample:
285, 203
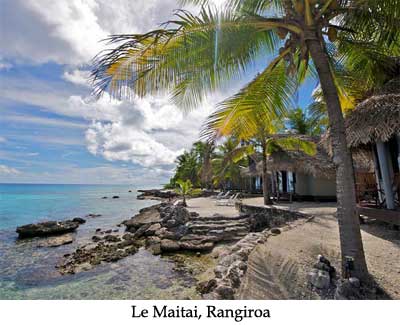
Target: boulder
275, 231
168, 245
225, 292
152, 229
49, 228
112, 239
319, 279
145, 216
206, 286
96, 239
56, 241
140, 232
79, 220
346, 290
196, 246
115, 197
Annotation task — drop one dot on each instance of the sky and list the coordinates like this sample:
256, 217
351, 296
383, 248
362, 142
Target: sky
53, 131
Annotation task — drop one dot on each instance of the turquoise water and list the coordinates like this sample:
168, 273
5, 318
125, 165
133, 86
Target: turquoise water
28, 272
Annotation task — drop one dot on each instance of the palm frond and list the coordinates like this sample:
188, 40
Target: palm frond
182, 59
260, 102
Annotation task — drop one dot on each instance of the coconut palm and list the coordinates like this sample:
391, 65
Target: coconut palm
185, 189
301, 122
227, 162
193, 55
204, 152
261, 137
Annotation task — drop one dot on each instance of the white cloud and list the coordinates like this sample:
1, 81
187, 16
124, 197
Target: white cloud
78, 77
70, 31
6, 170
3, 139
51, 122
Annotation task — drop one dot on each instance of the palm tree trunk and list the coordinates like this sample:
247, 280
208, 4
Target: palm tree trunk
265, 178
349, 226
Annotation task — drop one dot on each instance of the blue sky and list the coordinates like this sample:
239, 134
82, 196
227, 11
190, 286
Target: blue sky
52, 131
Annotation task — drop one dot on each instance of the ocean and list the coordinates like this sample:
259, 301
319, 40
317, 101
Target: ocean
28, 272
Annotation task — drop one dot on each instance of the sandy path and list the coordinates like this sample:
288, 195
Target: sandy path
299, 247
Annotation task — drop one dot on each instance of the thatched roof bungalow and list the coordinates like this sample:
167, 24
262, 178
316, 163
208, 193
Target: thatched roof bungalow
375, 126
297, 175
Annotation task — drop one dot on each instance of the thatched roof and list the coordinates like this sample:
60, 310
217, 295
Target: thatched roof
376, 118
320, 165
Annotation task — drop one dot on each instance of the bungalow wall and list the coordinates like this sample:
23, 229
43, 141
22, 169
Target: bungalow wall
310, 187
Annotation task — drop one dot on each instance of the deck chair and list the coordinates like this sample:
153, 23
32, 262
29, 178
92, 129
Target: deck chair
228, 202
223, 196
217, 197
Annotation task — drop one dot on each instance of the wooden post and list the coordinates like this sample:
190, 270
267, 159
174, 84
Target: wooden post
385, 171
377, 174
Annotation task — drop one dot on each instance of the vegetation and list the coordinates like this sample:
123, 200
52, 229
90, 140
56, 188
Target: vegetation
185, 189
193, 55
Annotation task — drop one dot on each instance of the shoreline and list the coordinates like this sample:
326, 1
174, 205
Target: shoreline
217, 249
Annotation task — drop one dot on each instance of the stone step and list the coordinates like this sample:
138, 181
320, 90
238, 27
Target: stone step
221, 217
215, 226
201, 221
219, 231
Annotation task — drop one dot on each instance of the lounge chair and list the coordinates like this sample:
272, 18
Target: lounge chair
228, 202
223, 196
217, 197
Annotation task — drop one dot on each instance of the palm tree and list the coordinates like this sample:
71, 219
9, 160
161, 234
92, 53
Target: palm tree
204, 152
301, 123
257, 132
184, 189
193, 55
227, 162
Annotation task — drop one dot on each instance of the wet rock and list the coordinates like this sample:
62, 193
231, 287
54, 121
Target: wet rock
155, 249
98, 229
56, 241
105, 197
140, 232
206, 286
112, 238
128, 236
79, 220
115, 197
48, 228
220, 271
108, 231
196, 246
152, 229
168, 245
225, 292
96, 239
154, 193
234, 277
145, 216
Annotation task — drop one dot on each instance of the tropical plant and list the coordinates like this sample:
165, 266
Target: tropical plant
185, 189
300, 122
192, 55
194, 165
227, 163
262, 136
205, 152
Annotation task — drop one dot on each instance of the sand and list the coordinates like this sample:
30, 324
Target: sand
299, 246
